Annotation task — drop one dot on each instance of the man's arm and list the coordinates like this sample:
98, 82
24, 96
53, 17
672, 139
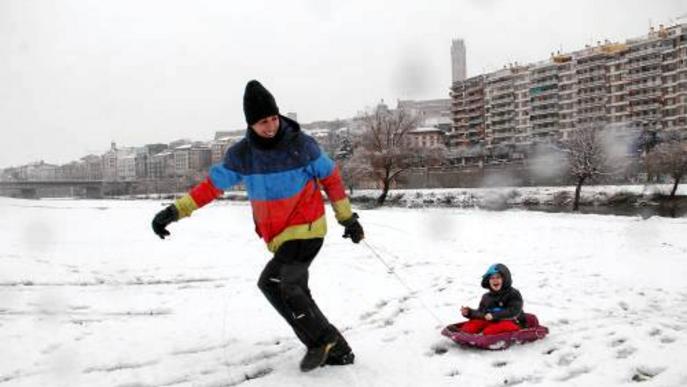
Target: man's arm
219, 179
327, 173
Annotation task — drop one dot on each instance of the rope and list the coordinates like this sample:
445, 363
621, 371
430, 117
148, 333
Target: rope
402, 282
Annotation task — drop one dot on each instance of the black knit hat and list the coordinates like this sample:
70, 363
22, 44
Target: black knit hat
258, 103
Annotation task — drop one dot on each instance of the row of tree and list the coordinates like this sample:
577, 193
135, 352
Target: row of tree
591, 153
595, 153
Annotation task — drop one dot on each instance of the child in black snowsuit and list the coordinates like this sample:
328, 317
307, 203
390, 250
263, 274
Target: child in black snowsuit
500, 309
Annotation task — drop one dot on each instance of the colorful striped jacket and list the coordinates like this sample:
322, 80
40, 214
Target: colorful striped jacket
282, 182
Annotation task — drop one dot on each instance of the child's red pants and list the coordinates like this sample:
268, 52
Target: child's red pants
489, 327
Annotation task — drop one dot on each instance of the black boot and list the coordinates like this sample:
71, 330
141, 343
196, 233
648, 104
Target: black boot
340, 360
316, 356
341, 354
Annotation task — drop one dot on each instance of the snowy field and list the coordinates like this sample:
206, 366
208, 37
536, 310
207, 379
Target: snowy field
89, 296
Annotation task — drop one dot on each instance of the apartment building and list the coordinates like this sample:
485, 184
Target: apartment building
500, 110
641, 83
468, 112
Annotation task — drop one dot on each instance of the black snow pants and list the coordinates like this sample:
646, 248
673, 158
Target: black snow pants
284, 281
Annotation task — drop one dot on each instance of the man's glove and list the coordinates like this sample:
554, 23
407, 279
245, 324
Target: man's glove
163, 219
353, 229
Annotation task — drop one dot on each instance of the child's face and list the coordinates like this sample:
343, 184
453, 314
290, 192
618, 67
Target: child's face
495, 282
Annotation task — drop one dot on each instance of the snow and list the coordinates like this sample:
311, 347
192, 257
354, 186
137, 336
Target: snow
499, 197
89, 296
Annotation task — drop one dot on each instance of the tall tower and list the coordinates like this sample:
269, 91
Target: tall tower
458, 67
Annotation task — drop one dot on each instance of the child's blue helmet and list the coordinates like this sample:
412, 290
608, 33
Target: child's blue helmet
500, 269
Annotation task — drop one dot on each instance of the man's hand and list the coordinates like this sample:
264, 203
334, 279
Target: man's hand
465, 311
488, 317
163, 219
353, 229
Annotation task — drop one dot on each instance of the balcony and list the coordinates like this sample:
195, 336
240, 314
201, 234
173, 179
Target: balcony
643, 63
643, 52
475, 121
643, 85
544, 120
544, 111
499, 91
546, 71
644, 96
501, 127
644, 74
586, 65
594, 72
501, 111
582, 94
593, 83
501, 116
503, 135
505, 100
590, 105
539, 103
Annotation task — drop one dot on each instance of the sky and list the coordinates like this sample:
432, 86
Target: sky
77, 75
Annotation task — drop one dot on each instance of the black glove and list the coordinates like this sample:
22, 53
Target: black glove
353, 229
163, 219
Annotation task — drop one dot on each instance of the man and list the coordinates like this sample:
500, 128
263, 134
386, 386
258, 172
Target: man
282, 169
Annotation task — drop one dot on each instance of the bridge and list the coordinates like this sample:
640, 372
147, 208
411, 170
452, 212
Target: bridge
57, 188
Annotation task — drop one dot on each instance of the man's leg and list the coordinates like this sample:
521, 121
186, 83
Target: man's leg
270, 285
296, 257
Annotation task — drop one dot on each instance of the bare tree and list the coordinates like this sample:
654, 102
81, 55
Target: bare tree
587, 158
354, 169
670, 158
384, 145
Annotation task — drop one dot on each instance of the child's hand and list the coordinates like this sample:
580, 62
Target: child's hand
488, 317
464, 310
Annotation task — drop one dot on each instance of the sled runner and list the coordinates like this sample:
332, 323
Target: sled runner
533, 331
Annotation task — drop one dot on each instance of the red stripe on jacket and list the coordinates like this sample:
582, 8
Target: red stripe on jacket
273, 216
205, 192
333, 185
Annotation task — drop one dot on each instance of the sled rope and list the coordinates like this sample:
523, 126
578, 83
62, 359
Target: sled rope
412, 292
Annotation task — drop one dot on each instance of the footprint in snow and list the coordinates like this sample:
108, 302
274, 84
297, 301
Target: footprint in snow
437, 349
667, 339
642, 374
617, 342
453, 373
624, 353
566, 359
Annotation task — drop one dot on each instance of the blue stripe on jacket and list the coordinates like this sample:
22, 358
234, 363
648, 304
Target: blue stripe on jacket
276, 173
322, 167
276, 186
223, 178
273, 186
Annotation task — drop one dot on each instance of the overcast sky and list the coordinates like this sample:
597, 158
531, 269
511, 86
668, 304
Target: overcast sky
77, 74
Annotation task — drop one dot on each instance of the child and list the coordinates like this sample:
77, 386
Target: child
500, 310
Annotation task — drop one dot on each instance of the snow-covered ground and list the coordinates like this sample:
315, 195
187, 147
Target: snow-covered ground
501, 197
89, 296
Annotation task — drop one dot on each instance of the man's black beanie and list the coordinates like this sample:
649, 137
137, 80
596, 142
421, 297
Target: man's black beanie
258, 103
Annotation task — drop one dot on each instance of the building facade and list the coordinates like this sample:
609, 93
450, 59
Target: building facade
641, 83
